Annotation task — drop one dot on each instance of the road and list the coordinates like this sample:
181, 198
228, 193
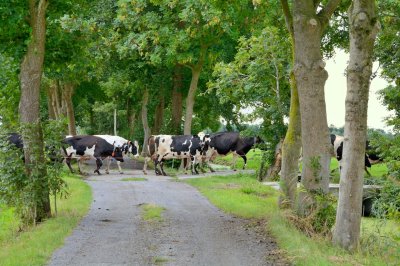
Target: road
193, 231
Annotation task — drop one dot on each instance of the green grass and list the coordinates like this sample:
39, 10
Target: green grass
253, 160
134, 179
35, 245
152, 212
242, 195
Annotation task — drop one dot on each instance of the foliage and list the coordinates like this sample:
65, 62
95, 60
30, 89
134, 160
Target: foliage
387, 203
9, 91
22, 191
35, 245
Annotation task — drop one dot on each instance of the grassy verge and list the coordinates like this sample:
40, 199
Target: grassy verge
243, 196
35, 245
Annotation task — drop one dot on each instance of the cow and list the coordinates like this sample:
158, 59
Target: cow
223, 143
370, 157
126, 146
16, 139
90, 146
165, 147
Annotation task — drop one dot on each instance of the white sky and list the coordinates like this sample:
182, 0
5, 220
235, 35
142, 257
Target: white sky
335, 94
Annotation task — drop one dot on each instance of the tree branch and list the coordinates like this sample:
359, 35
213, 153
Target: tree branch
288, 16
326, 12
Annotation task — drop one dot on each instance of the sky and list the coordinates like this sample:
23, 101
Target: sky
335, 94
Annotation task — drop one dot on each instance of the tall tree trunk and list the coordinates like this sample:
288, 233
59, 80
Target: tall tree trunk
52, 114
291, 152
67, 92
177, 102
363, 30
310, 76
187, 129
145, 122
196, 69
30, 79
159, 115
115, 122
291, 147
130, 118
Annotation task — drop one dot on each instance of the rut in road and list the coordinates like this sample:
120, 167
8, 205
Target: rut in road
193, 231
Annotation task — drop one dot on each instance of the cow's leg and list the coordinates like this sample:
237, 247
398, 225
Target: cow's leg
157, 161
68, 162
162, 168
119, 167
108, 164
79, 160
99, 163
146, 159
241, 154
194, 165
234, 158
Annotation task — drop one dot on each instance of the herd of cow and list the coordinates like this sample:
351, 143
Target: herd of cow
201, 148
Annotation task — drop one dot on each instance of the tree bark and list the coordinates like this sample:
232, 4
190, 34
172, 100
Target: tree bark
130, 118
30, 79
196, 69
177, 102
159, 115
363, 30
145, 122
187, 129
67, 92
310, 76
115, 122
291, 149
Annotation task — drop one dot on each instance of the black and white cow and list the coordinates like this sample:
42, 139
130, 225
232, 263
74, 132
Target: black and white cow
165, 147
223, 143
90, 146
337, 143
125, 145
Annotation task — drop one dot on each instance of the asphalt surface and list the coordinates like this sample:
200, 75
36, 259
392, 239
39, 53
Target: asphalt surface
193, 231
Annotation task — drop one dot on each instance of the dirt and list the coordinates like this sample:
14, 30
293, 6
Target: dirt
192, 231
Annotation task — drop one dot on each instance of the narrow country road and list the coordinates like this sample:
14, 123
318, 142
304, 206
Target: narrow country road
193, 231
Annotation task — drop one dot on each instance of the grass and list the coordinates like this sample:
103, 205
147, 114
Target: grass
134, 179
253, 160
244, 196
152, 212
35, 245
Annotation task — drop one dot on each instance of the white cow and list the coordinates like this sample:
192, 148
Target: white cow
126, 146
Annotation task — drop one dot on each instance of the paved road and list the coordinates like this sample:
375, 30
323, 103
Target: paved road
193, 232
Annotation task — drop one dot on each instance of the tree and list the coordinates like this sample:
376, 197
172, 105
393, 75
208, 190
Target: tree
307, 21
363, 29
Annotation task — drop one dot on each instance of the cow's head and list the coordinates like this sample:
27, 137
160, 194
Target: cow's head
118, 154
133, 147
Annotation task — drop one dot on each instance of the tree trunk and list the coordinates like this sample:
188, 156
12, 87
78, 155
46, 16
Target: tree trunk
67, 92
159, 116
145, 122
291, 152
130, 118
275, 168
115, 122
187, 129
30, 79
310, 76
363, 30
177, 105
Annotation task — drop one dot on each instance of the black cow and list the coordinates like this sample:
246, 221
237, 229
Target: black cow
90, 146
164, 147
223, 143
337, 143
16, 139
